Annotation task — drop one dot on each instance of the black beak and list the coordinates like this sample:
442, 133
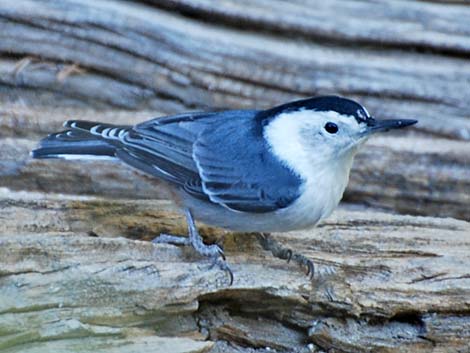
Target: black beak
385, 125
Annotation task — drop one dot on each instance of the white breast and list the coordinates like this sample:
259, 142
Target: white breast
321, 193
324, 181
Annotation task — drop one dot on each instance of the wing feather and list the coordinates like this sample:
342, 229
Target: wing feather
239, 171
219, 157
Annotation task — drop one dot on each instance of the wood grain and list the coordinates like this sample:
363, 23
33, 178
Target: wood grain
387, 280
77, 270
131, 57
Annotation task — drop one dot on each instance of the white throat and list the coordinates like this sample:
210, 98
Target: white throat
324, 181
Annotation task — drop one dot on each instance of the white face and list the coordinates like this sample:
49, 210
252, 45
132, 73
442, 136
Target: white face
319, 137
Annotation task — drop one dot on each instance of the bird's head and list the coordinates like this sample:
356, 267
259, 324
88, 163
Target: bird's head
322, 129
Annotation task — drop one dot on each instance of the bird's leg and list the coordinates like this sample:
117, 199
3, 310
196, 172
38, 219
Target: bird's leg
195, 239
281, 252
214, 252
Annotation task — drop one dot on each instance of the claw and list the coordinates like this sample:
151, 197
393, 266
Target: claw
220, 250
213, 252
222, 255
230, 274
289, 255
224, 267
310, 269
286, 254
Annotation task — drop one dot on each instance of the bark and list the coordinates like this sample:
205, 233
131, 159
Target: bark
77, 270
119, 54
383, 282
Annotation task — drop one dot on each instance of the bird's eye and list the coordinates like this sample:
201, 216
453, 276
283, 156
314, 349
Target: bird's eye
331, 128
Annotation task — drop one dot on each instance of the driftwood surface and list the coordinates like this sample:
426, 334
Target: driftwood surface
407, 289
77, 270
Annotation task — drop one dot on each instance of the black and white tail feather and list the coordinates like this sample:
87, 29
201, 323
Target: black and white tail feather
83, 140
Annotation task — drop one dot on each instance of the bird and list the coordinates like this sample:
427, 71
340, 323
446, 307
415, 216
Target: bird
274, 170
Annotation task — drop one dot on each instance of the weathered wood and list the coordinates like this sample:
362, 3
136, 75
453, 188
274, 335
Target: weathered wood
388, 281
70, 281
73, 336
417, 28
106, 178
413, 176
131, 57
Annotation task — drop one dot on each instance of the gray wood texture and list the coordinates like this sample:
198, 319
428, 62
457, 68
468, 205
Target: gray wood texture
77, 273
384, 282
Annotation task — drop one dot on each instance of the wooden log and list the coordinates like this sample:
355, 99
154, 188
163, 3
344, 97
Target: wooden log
77, 273
308, 19
383, 282
123, 55
413, 176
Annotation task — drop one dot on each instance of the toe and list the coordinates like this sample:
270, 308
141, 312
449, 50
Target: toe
310, 269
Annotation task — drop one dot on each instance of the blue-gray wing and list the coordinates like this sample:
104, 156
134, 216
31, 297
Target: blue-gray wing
164, 146
219, 157
239, 171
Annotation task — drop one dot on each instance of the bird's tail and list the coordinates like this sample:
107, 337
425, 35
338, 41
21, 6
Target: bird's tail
82, 140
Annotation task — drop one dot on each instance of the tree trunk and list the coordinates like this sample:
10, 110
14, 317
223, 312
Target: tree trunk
77, 270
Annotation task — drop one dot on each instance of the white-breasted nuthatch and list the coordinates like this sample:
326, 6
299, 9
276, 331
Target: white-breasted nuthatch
273, 170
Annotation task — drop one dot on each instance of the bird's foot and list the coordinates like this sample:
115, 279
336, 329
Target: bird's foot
281, 252
214, 252
171, 239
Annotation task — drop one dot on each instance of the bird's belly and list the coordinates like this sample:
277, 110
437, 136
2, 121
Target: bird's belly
320, 197
299, 215
309, 209
251, 222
